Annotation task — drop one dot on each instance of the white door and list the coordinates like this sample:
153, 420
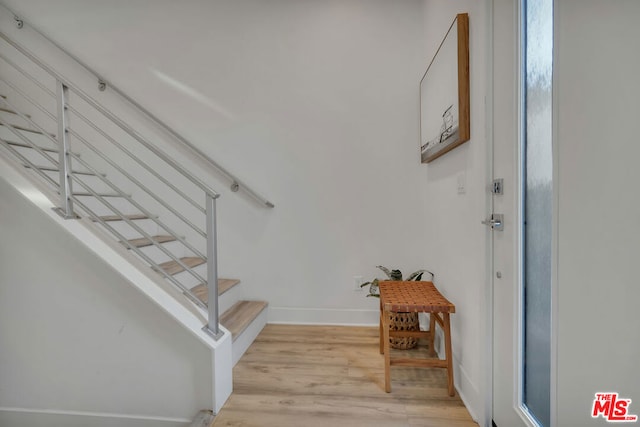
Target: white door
521, 248
506, 118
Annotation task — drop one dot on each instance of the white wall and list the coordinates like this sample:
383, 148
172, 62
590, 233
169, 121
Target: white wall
455, 240
598, 206
76, 338
315, 103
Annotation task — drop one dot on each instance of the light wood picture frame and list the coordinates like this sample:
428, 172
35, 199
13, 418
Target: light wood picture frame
445, 121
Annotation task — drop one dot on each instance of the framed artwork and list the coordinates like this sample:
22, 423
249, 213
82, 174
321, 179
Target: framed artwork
444, 94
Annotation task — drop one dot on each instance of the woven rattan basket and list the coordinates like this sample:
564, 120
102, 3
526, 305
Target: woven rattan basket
403, 322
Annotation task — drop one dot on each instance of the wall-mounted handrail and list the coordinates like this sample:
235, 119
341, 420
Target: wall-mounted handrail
100, 154
236, 183
197, 181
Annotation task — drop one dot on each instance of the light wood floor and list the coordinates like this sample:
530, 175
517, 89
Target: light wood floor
308, 376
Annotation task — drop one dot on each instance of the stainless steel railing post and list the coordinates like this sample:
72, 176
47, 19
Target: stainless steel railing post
212, 328
64, 155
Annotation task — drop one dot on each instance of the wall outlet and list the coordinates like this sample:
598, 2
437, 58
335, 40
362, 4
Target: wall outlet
357, 281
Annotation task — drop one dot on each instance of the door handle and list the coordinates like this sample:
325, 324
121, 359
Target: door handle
496, 222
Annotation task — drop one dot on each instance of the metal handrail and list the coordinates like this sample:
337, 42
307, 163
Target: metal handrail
236, 183
106, 136
108, 114
68, 198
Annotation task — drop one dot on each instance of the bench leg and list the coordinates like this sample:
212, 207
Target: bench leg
380, 334
449, 354
432, 333
387, 352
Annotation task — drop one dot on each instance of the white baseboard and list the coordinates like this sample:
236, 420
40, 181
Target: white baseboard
323, 316
468, 392
25, 417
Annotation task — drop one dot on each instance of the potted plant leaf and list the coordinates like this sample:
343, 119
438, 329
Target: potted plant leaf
400, 321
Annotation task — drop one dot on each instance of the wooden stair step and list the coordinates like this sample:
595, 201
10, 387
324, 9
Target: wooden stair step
87, 194
224, 285
54, 169
6, 110
24, 129
25, 145
132, 217
143, 241
172, 267
240, 316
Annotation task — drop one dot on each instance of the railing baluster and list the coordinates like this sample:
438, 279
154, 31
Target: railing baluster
212, 327
64, 155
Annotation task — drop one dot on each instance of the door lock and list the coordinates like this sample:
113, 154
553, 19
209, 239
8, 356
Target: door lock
496, 222
497, 187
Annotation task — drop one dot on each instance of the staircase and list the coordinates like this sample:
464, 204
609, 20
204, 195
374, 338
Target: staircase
105, 173
136, 231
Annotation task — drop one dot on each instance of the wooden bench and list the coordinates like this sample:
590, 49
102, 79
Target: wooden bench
420, 297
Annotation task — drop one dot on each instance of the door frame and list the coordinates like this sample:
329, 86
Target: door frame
555, 216
517, 69
489, 277
489, 105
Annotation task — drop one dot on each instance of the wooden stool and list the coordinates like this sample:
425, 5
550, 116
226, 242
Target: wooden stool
421, 297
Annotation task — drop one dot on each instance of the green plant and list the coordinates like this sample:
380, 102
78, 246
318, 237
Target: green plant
395, 275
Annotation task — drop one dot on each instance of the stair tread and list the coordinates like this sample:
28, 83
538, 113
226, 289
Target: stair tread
25, 145
172, 267
54, 169
132, 217
224, 285
240, 316
87, 194
24, 129
6, 110
141, 242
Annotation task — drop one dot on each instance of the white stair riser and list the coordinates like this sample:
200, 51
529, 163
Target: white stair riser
129, 232
12, 119
120, 203
94, 182
229, 298
246, 338
76, 166
35, 157
157, 255
38, 139
187, 278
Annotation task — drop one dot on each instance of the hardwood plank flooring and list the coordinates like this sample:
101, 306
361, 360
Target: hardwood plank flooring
332, 375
